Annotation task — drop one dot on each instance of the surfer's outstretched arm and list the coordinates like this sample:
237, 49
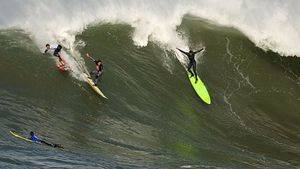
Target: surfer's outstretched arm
199, 50
88, 55
47, 50
182, 51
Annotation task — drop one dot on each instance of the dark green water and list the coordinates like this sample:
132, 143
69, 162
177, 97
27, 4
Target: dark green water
153, 118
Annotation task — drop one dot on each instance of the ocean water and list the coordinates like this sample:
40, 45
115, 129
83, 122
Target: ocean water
153, 118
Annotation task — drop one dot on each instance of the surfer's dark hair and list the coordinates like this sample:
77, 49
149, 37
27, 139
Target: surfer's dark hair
47, 44
31, 133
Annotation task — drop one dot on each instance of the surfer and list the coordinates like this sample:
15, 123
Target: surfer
34, 138
56, 52
192, 63
99, 69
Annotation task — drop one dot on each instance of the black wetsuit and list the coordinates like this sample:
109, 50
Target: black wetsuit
192, 63
97, 73
34, 138
57, 50
51, 145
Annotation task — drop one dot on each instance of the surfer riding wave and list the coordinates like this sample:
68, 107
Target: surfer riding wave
192, 62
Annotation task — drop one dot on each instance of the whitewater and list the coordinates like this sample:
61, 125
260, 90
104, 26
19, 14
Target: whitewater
270, 24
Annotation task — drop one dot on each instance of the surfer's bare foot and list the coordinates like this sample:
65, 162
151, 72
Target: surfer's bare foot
196, 80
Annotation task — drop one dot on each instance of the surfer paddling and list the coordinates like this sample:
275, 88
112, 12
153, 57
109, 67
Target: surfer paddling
34, 138
192, 64
56, 49
99, 69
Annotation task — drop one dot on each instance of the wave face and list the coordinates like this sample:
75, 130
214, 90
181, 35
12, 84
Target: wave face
269, 24
153, 118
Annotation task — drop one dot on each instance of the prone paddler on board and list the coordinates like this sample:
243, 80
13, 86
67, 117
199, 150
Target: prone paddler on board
56, 49
97, 73
192, 62
34, 138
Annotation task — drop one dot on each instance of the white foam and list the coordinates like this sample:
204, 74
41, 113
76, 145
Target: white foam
270, 24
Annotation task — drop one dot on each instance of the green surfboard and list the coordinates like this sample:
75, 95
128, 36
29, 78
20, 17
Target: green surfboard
200, 88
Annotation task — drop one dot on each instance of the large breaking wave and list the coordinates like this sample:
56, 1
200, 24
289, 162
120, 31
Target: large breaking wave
270, 24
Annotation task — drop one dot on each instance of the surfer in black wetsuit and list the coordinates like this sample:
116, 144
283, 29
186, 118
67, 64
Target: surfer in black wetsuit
99, 69
192, 63
55, 48
56, 52
34, 138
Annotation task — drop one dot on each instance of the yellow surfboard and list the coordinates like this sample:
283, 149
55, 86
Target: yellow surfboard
89, 80
20, 137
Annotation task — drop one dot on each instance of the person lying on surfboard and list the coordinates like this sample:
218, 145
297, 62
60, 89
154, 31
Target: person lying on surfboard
192, 63
56, 52
34, 138
99, 69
